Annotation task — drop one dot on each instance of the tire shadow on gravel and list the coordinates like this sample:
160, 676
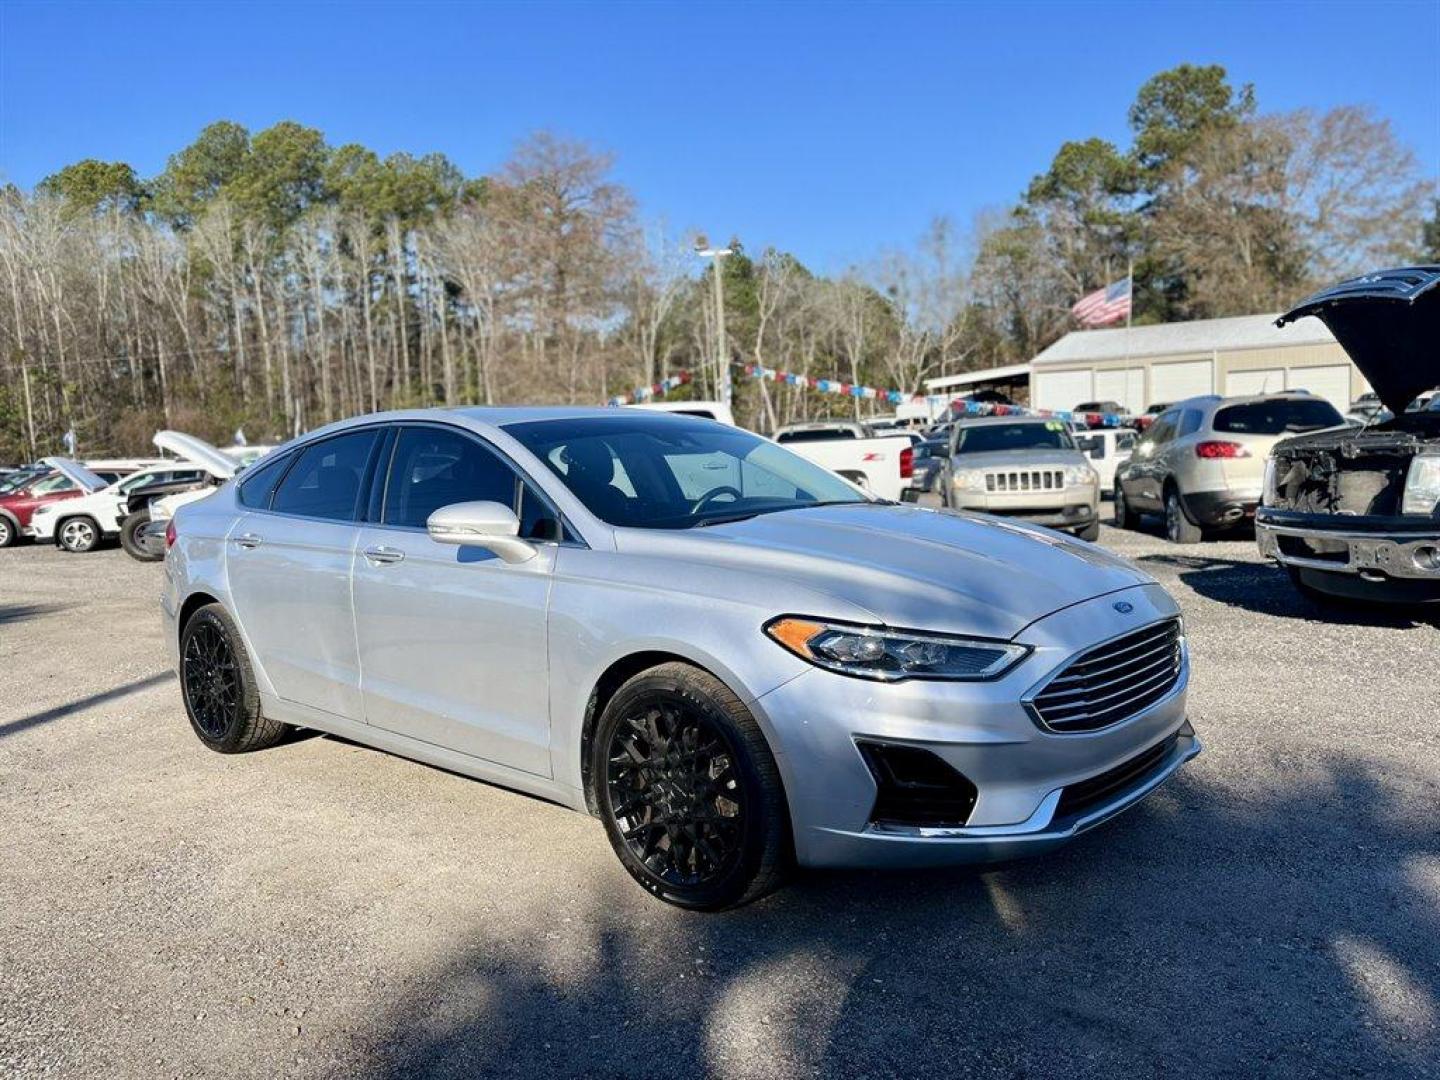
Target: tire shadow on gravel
1287, 931
1262, 588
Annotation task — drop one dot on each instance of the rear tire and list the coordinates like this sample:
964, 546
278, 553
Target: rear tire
217, 683
77, 534
132, 544
689, 791
1179, 529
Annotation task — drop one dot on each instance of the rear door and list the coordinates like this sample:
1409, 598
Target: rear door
452, 640
1143, 476
288, 559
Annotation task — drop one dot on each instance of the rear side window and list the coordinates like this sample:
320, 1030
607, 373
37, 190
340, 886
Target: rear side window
1189, 422
1280, 417
434, 468
256, 488
325, 482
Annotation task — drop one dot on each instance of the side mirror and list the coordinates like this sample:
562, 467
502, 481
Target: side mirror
489, 525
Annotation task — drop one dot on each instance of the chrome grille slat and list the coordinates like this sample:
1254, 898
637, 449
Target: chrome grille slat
1113, 681
1011, 481
1160, 663
1158, 647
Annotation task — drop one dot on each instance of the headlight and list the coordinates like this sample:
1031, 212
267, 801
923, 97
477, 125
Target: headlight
968, 479
1422, 485
1079, 475
1267, 486
892, 655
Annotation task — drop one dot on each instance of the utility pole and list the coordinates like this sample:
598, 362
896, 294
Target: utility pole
703, 249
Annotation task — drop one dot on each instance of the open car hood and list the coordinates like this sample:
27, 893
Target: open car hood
77, 472
1389, 324
189, 448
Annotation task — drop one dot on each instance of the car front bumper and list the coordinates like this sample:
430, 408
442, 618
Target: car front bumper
1020, 770
1373, 548
1079, 509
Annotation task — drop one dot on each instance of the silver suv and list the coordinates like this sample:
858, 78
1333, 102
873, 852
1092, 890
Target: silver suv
1022, 467
1202, 462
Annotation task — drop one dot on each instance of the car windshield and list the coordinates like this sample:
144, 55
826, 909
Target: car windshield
11, 484
673, 472
986, 438
1277, 417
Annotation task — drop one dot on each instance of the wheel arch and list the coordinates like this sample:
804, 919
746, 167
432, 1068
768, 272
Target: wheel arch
193, 603
617, 674
61, 520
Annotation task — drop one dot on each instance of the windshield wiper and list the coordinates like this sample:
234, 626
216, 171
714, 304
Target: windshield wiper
729, 519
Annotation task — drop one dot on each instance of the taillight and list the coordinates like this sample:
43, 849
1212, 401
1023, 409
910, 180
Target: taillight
1216, 449
907, 463
170, 534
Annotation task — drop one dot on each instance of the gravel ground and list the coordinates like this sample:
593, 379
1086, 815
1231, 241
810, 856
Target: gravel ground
324, 910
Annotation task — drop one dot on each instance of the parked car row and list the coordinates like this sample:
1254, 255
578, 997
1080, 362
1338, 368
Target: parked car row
78, 505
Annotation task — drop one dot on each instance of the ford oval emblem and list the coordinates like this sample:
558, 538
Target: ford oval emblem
1124, 607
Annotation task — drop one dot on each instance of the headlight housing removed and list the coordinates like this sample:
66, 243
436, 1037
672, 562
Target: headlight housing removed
869, 652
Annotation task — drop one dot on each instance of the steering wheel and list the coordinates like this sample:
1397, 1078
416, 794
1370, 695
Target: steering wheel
713, 494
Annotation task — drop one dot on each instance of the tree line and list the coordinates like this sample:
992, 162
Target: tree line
269, 282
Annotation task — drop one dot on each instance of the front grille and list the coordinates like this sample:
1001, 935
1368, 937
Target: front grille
1113, 681
1078, 798
1013, 480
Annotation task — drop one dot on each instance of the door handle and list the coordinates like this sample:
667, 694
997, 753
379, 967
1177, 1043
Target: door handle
383, 556
249, 540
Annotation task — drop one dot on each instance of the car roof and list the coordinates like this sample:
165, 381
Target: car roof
987, 421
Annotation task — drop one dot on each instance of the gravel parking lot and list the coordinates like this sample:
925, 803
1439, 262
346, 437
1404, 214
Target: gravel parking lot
326, 910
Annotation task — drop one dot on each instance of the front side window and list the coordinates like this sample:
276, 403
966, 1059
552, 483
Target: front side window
1163, 430
52, 484
671, 472
325, 482
433, 467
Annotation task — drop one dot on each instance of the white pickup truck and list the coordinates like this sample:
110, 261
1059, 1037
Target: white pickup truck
881, 464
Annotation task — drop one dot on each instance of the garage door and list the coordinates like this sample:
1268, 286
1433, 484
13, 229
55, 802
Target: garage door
1061, 389
1127, 386
1178, 381
1246, 383
1331, 382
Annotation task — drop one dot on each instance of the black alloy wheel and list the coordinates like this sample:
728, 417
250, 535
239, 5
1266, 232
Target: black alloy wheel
219, 688
688, 790
674, 793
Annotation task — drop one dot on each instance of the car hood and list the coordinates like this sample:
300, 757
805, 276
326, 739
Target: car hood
1389, 324
77, 472
910, 567
189, 448
1018, 459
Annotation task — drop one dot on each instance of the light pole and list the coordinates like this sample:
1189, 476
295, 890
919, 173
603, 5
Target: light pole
703, 249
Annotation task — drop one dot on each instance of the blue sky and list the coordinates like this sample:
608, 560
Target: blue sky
832, 130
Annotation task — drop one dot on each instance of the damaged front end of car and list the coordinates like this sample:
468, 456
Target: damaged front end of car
1353, 512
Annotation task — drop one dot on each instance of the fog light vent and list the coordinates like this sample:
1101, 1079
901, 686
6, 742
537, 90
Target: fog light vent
916, 787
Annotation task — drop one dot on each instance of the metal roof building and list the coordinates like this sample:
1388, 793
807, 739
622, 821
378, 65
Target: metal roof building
1144, 365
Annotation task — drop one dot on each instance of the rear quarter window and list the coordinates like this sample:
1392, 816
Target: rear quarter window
257, 487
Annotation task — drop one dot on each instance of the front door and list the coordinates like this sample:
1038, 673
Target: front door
288, 561
452, 640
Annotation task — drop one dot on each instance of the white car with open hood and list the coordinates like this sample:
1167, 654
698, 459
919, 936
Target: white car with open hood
78, 525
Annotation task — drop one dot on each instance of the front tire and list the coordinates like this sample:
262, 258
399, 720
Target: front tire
1091, 532
8, 532
1179, 529
218, 685
77, 534
689, 791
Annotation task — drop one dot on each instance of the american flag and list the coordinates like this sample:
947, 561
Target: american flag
1104, 306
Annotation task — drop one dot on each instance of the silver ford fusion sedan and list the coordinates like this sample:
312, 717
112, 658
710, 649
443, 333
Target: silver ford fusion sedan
735, 659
